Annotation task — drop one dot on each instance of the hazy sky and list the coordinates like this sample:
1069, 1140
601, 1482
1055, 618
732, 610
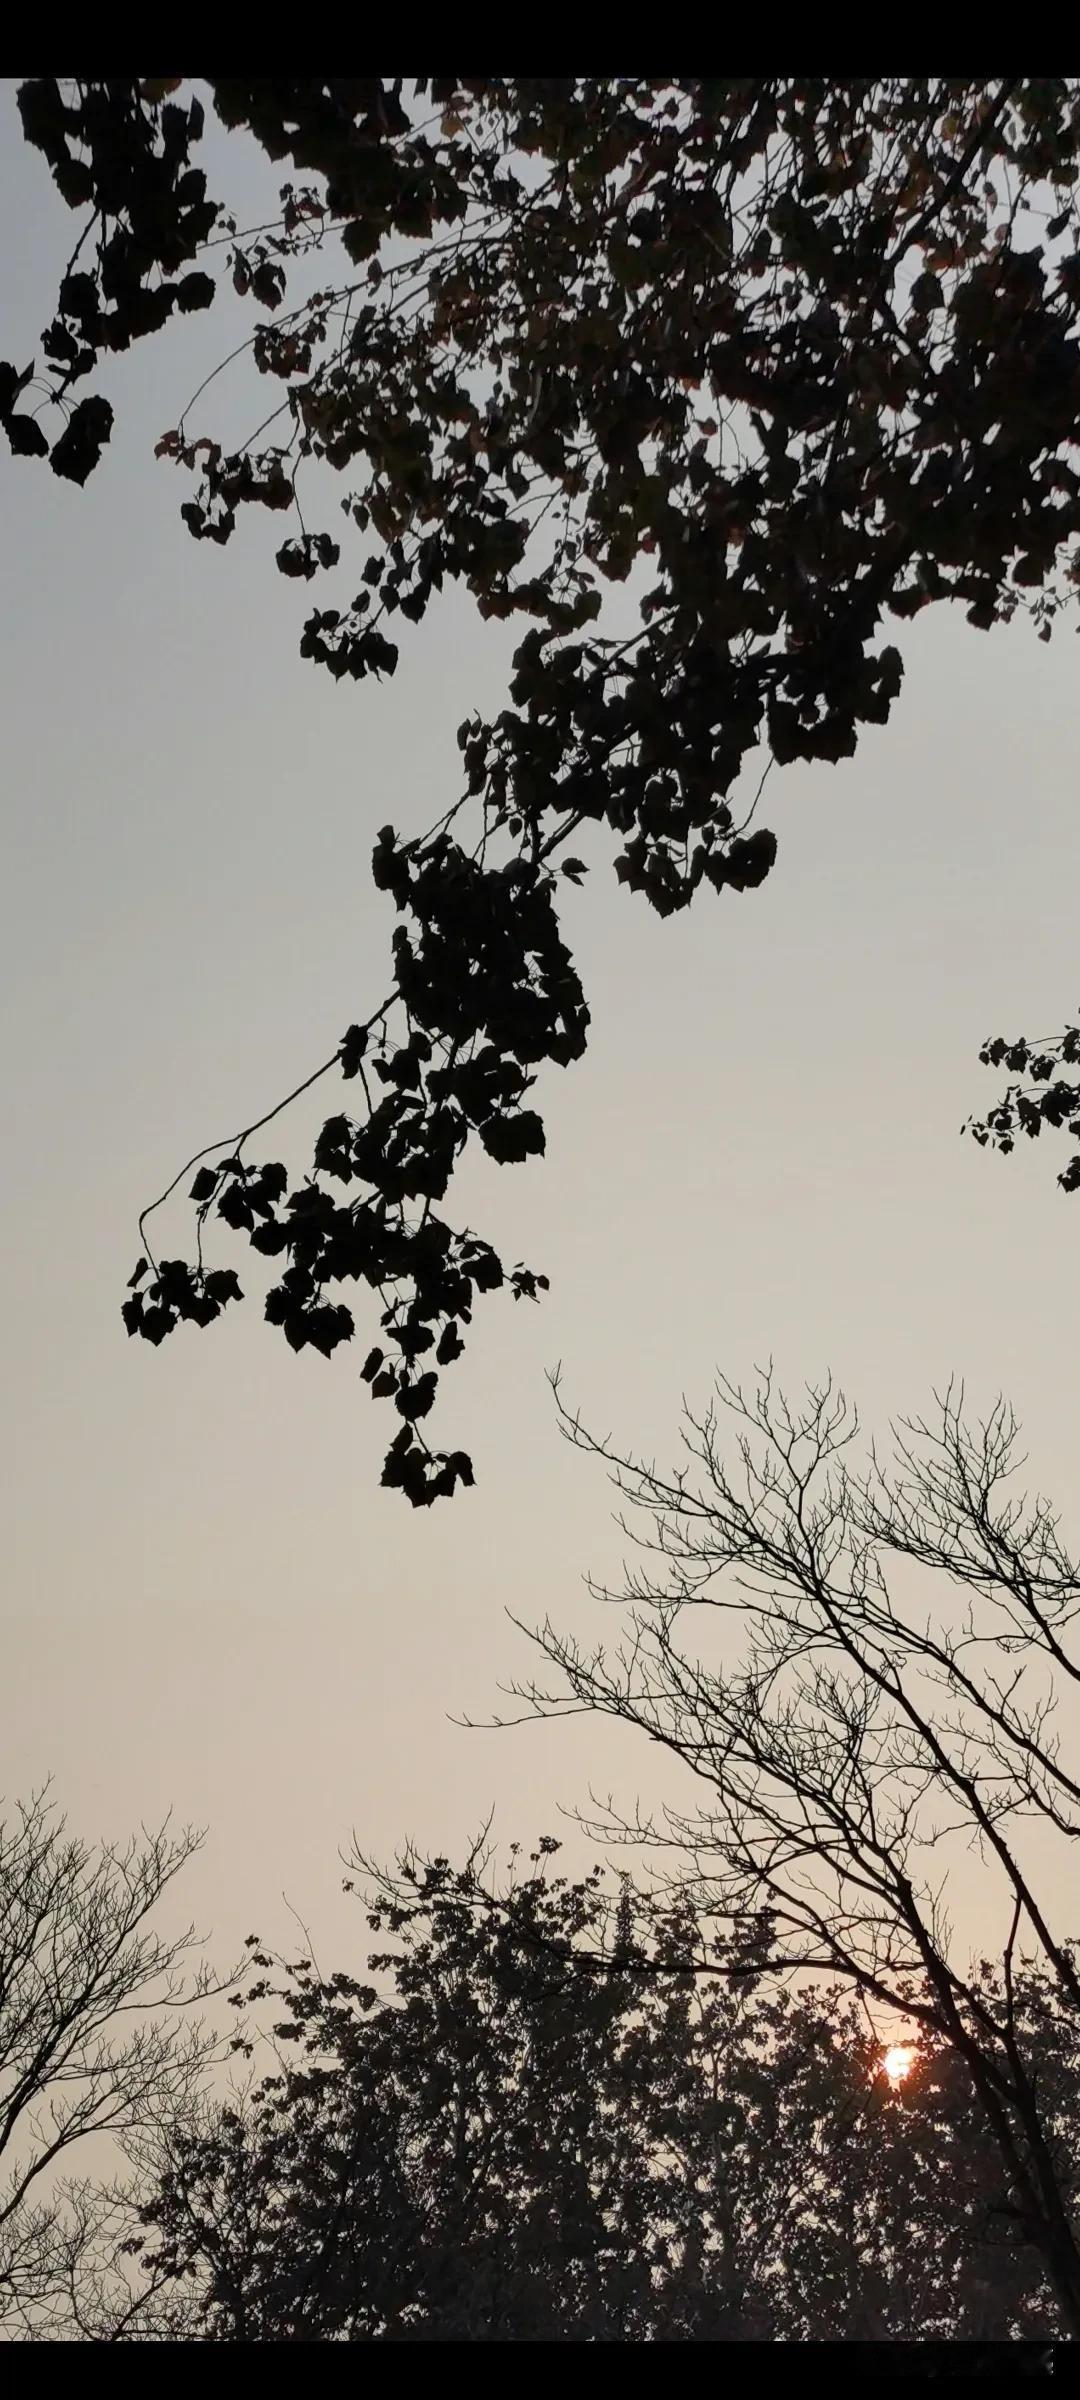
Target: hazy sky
208, 1602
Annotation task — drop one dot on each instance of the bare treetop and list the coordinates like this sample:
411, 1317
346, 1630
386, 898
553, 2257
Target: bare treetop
862, 1667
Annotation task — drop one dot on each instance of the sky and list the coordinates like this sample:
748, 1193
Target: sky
208, 1603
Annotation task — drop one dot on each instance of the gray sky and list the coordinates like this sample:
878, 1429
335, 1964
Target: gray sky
208, 1603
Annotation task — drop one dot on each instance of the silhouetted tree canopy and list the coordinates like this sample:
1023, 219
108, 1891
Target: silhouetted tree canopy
1042, 1094
786, 358
563, 2112
554, 2108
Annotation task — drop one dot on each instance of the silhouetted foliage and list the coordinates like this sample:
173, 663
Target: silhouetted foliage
853, 1736
795, 356
566, 2114
1044, 1097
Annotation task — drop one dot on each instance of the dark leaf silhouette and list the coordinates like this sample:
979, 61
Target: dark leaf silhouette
27, 437
79, 448
512, 1138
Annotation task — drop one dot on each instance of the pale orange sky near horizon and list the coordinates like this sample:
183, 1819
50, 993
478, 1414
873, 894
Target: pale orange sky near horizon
208, 1603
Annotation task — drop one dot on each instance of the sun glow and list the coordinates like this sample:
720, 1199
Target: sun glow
898, 2062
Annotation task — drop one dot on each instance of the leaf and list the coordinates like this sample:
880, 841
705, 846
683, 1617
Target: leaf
305, 555
270, 1238
205, 1184
749, 859
509, 1139
194, 292
326, 1327
332, 1148
154, 1324
353, 1048
12, 383
235, 1207
268, 284
222, 1285
79, 448
26, 438
416, 1399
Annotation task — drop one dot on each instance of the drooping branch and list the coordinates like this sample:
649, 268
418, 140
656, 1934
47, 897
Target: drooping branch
1040, 1096
733, 354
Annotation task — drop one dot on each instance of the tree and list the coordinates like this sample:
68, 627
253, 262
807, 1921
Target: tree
778, 358
848, 1736
94, 2042
571, 2114
441, 2160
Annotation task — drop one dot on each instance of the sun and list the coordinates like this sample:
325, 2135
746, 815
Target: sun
897, 2062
